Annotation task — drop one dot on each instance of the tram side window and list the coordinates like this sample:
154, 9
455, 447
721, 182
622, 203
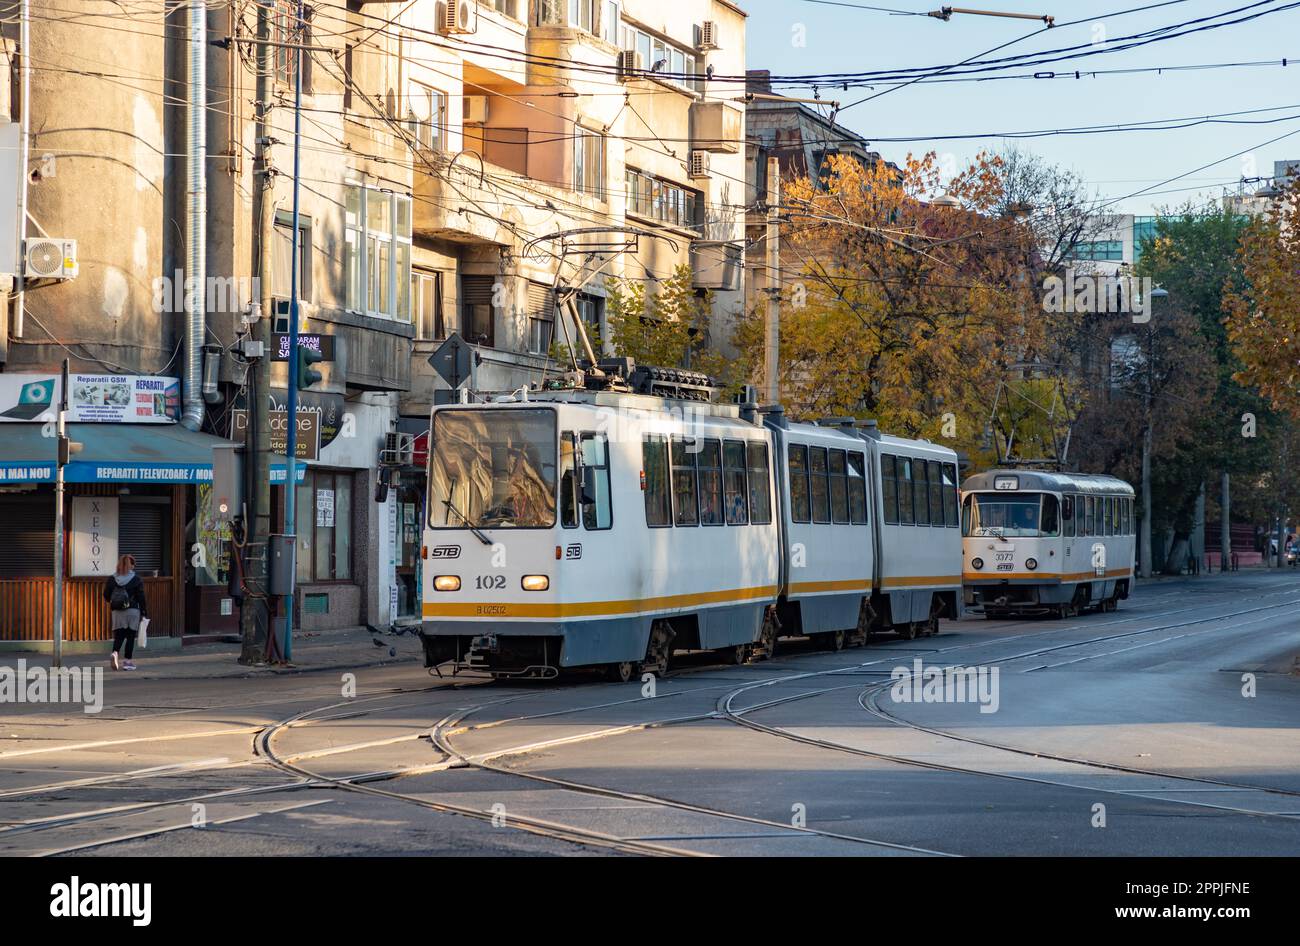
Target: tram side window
686, 509
1115, 516
1067, 515
733, 483
1110, 515
821, 492
906, 491
595, 457
839, 487
1126, 516
950, 495
936, 492
800, 508
710, 464
1085, 508
921, 485
1099, 518
1051, 519
857, 488
654, 464
568, 481
889, 488
760, 494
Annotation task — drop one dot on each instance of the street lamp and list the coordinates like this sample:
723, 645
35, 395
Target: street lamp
1144, 548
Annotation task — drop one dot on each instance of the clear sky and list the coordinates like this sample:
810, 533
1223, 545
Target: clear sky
802, 37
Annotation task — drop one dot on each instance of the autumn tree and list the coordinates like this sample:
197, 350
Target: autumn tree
1263, 331
666, 325
917, 313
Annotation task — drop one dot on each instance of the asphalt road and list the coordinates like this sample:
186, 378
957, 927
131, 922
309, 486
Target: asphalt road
1171, 727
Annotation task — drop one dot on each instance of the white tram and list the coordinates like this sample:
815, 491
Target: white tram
1046, 543
581, 528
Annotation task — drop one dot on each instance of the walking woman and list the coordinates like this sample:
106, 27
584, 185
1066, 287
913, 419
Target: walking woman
124, 592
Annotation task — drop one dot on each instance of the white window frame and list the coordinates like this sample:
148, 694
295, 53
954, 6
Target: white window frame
357, 240
596, 188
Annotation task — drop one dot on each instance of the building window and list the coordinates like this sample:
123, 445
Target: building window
591, 309
426, 305
284, 31
659, 200
323, 525
477, 313
1100, 250
508, 7
377, 252
541, 318
282, 257
426, 117
589, 162
662, 59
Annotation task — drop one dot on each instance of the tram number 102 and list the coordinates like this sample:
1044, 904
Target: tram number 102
489, 582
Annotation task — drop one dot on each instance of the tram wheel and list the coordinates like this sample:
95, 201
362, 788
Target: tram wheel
932, 628
1110, 604
906, 631
739, 654
835, 640
620, 672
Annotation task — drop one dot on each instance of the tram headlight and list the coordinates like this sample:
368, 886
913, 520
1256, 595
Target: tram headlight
1031, 563
977, 562
536, 582
447, 583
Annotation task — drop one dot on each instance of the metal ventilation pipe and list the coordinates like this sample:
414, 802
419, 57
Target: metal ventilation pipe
196, 183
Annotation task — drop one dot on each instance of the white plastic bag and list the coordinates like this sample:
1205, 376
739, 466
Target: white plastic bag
142, 636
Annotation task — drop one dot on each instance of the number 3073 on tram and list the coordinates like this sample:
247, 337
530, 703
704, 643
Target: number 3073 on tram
1046, 543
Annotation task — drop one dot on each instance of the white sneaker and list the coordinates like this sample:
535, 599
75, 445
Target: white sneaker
128, 666
115, 661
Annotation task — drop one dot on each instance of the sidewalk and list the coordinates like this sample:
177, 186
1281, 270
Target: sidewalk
341, 649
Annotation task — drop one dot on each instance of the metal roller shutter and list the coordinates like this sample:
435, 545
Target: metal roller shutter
140, 530
26, 535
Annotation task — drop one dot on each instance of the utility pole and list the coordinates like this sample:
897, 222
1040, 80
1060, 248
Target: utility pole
254, 617
772, 327
291, 422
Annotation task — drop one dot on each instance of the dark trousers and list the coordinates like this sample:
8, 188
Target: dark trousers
124, 636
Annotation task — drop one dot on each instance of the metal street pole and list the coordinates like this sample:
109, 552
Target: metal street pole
1225, 526
61, 432
291, 418
772, 327
1145, 550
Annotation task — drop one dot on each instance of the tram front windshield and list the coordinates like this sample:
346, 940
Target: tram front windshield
492, 469
1024, 515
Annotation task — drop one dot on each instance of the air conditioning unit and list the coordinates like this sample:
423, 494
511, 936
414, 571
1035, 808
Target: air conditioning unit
457, 17
475, 110
50, 258
708, 36
698, 166
629, 63
399, 449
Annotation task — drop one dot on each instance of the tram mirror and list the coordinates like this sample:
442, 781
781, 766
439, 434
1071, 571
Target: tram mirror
587, 487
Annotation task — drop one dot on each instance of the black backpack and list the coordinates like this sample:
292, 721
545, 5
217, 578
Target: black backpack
120, 598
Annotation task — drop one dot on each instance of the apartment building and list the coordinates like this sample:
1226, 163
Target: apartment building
458, 162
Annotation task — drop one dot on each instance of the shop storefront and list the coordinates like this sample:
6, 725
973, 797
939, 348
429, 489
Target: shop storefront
132, 489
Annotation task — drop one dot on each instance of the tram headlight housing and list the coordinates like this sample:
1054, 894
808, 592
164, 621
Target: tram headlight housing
535, 582
1031, 563
447, 583
977, 562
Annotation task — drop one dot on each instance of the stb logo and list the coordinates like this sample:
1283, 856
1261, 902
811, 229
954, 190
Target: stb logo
573, 552
445, 551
